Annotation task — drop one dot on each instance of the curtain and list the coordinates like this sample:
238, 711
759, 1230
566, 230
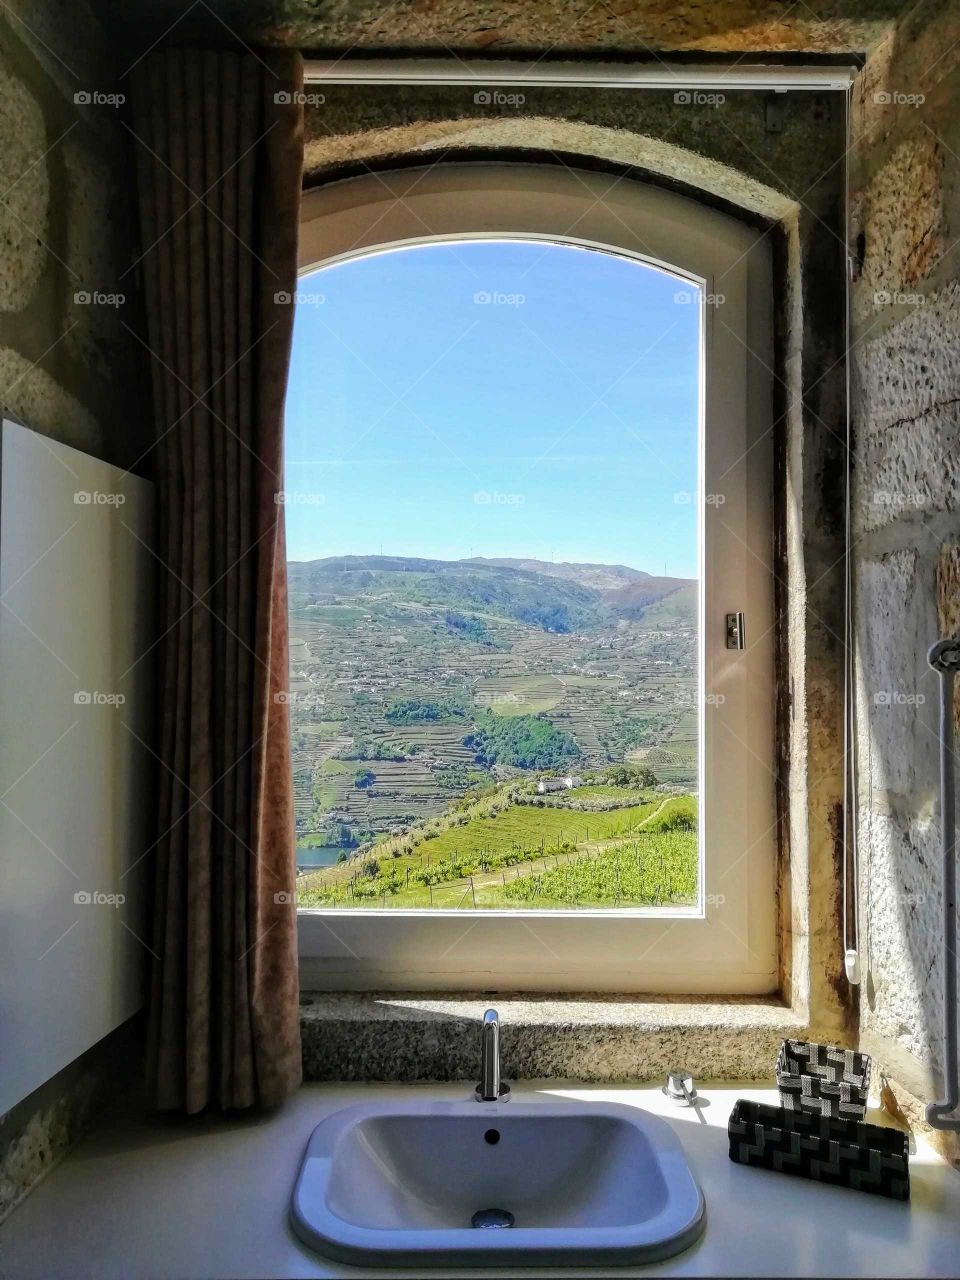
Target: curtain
219, 143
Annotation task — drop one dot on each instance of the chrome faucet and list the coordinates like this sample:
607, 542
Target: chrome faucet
491, 1088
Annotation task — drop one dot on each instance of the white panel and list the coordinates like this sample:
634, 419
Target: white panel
76, 608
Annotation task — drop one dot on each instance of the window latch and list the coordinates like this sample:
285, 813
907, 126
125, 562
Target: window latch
736, 638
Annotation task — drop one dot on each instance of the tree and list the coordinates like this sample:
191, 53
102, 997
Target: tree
364, 778
627, 775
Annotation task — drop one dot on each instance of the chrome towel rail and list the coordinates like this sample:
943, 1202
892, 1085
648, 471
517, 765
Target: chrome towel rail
944, 657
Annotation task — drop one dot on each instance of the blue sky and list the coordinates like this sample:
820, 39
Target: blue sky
556, 420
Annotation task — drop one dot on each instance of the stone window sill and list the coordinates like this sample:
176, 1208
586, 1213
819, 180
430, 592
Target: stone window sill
391, 1036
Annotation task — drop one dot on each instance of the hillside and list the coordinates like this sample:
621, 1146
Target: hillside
501, 850
636, 598
601, 577
415, 681
561, 598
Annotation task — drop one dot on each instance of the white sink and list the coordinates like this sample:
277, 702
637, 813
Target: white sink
400, 1184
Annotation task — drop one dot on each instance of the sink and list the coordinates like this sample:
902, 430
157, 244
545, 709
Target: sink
482, 1184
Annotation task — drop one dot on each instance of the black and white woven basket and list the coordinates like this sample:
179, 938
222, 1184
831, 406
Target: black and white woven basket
823, 1080
844, 1153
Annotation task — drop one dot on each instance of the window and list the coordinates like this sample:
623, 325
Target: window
528, 475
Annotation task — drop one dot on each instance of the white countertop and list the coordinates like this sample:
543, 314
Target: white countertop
147, 1198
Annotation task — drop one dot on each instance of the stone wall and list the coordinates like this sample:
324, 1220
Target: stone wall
69, 366
69, 369
906, 415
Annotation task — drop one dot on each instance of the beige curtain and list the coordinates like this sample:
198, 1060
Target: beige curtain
219, 142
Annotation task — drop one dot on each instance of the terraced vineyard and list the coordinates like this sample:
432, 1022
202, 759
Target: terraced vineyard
501, 851
596, 664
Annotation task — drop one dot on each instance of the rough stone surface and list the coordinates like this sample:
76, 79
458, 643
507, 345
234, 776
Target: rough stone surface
395, 1037
723, 151
903, 933
903, 207
906, 411
896, 612
39, 1131
912, 370
948, 591
41, 403
65, 172
24, 189
543, 27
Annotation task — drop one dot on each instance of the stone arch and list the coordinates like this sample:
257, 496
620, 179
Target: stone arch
695, 174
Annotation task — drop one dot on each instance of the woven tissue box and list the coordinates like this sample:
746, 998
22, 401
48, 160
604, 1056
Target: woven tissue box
823, 1080
844, 1153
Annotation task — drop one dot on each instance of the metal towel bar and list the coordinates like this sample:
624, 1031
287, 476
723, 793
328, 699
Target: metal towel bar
944, 657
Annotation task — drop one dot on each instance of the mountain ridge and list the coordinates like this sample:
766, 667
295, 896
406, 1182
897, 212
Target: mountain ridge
559, 600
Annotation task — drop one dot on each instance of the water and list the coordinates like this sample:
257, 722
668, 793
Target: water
321, 855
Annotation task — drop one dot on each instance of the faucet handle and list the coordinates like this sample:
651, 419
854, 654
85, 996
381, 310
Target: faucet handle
681, 1089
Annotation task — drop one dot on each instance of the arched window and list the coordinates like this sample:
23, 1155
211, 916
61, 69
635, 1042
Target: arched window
528, 504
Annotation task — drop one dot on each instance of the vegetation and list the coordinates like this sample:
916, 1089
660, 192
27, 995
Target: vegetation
472, 628
416, 710
512, 857
526, 742
364, 778
655, 868
450, 681
630, 775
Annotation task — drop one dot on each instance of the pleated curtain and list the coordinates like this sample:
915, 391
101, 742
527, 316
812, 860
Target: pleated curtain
219, 145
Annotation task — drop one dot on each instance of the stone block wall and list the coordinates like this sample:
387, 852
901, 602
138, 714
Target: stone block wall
70, 367
906, 416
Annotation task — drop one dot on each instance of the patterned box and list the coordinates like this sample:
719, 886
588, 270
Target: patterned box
823, 1080
844, 1153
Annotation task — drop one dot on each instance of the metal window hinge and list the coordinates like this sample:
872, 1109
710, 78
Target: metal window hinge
736, 637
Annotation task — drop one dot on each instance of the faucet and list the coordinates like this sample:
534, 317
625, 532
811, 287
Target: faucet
491, 1088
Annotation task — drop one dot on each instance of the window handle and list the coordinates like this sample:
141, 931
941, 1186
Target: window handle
736, 637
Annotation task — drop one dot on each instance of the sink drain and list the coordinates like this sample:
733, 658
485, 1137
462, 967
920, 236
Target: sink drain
487, 1218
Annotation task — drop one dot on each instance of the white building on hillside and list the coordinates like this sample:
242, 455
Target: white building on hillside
558, 784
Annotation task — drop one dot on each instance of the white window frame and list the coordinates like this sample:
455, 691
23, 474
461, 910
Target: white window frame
727, 943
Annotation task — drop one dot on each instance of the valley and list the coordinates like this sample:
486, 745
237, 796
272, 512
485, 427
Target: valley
420, 685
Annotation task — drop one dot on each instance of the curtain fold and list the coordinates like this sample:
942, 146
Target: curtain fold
219, 141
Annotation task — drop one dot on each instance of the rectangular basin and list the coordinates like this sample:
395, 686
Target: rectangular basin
401, 1185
